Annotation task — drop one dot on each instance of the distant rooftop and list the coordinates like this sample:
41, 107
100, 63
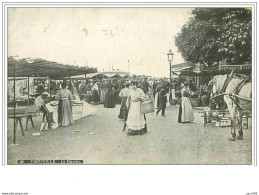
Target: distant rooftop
116, 72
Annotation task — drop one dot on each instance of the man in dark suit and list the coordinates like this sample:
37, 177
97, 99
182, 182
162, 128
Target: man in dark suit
158, 89
145, 86
159, 86
162, 99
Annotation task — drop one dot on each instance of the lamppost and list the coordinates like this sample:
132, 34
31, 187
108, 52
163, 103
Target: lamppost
170, 56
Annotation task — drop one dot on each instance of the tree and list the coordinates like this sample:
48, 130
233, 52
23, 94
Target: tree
214, 34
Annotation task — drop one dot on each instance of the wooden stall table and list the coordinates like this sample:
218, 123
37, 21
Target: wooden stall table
18, 119
31, 111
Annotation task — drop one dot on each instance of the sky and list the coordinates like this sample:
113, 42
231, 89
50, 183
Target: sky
137, 39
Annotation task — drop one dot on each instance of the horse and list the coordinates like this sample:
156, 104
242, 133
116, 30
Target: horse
237, 94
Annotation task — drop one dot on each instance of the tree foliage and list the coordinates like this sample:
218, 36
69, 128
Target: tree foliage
214, 34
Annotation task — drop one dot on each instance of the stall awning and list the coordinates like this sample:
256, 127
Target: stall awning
90, 76
43, 68
182, 66
114, 76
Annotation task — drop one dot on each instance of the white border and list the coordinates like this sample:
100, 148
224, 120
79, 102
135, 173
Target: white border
119, 179
131, 5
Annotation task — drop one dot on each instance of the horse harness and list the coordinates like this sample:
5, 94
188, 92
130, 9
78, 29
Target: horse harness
235, 90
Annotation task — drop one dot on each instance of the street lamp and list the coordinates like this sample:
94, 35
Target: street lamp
170, 56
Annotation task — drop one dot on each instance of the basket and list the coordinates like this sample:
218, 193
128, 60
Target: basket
195, 102
147, 107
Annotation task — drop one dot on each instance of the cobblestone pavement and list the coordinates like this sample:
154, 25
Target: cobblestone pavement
99, 139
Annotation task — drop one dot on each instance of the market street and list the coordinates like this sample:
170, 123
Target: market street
99, 139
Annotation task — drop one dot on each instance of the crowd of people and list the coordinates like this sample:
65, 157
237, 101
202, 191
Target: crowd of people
130, 93
135, 93
95, 90
107, 91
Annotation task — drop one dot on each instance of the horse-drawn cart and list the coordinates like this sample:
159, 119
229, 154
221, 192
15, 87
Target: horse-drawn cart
234, 91
221, 118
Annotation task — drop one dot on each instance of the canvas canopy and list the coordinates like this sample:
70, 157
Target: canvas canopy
43, 68
98, 76
182, 66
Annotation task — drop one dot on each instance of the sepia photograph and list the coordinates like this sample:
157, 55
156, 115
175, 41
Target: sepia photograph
129, 85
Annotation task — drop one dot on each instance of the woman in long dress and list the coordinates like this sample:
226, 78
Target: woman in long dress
89, 93
124, 95
101, 87
64, 96
136, 121
95, 90
185, 109
109, 101
116, 92
104, 90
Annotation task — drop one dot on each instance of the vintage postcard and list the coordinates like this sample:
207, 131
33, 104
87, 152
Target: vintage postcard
130, 85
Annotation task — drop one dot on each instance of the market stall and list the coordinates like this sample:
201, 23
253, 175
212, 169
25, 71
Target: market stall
28, 68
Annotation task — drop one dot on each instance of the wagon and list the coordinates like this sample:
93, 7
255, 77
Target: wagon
222, 117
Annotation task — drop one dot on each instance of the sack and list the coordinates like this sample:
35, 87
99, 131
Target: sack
147, 107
